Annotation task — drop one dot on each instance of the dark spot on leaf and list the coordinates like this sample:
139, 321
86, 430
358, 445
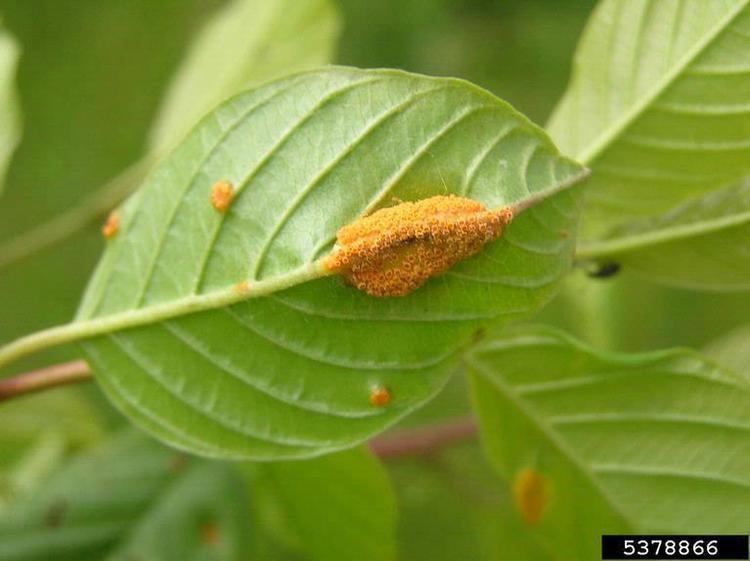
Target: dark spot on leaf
603, 270
56, 513
177, 463
209, 533
479, 334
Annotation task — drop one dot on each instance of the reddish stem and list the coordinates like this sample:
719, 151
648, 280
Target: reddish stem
424, 440
412, 442
44, 378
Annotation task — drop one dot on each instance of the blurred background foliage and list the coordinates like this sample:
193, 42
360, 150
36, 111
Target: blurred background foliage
91, 78
108, 65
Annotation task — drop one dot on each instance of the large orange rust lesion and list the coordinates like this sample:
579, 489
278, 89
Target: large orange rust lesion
396, 250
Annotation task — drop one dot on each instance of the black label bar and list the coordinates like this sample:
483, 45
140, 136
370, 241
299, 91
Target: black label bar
675, 547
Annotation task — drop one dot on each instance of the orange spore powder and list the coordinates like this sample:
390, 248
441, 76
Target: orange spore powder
222, 193
397, 249
379, 396
111, 225
530, 495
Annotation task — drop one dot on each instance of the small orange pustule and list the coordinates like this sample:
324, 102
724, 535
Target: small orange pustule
209, 533
397, 249
379, 396
111, 225
222, 194
242, 287
530, 495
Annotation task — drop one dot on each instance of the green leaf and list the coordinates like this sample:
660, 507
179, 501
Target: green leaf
247, 43
265, 38
453, 507
700, 244
10, 113
732, 350
131, 499
658, 105
340, 506
37, 433
648, 443
283, 367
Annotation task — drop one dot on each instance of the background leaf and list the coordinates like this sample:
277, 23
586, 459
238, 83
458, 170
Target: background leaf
650, 443
732, 350
658, 104
261, 47
248, 42
10, 120
289, 375
701, 244
38, 433
128, 499
340, 506
453, 507
93, 126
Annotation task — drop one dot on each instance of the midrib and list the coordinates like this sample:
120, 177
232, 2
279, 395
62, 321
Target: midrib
603, 141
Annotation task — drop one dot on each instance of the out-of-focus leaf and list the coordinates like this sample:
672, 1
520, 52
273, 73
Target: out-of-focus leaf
89, 84
340, 506
131, 499
37, 433
518, 49
658, 105
732, 350
700, 244
10, 119
248, 42
452, 507
190, 355
618, 443
264, 38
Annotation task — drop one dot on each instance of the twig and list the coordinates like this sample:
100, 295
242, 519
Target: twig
44, 378
413, 442
424, 440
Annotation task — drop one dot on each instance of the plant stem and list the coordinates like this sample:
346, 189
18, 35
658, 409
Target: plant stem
424, 440
44, 378
86, 329
67, 223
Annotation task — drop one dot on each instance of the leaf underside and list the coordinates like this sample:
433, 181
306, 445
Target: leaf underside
658, 106
322, 496
650, 443
701, 244
246, 43
288, 375
131, 499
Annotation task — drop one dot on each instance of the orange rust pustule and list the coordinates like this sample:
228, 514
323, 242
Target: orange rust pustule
397, 249
530, 495
111, 225
379, 396
222, 194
